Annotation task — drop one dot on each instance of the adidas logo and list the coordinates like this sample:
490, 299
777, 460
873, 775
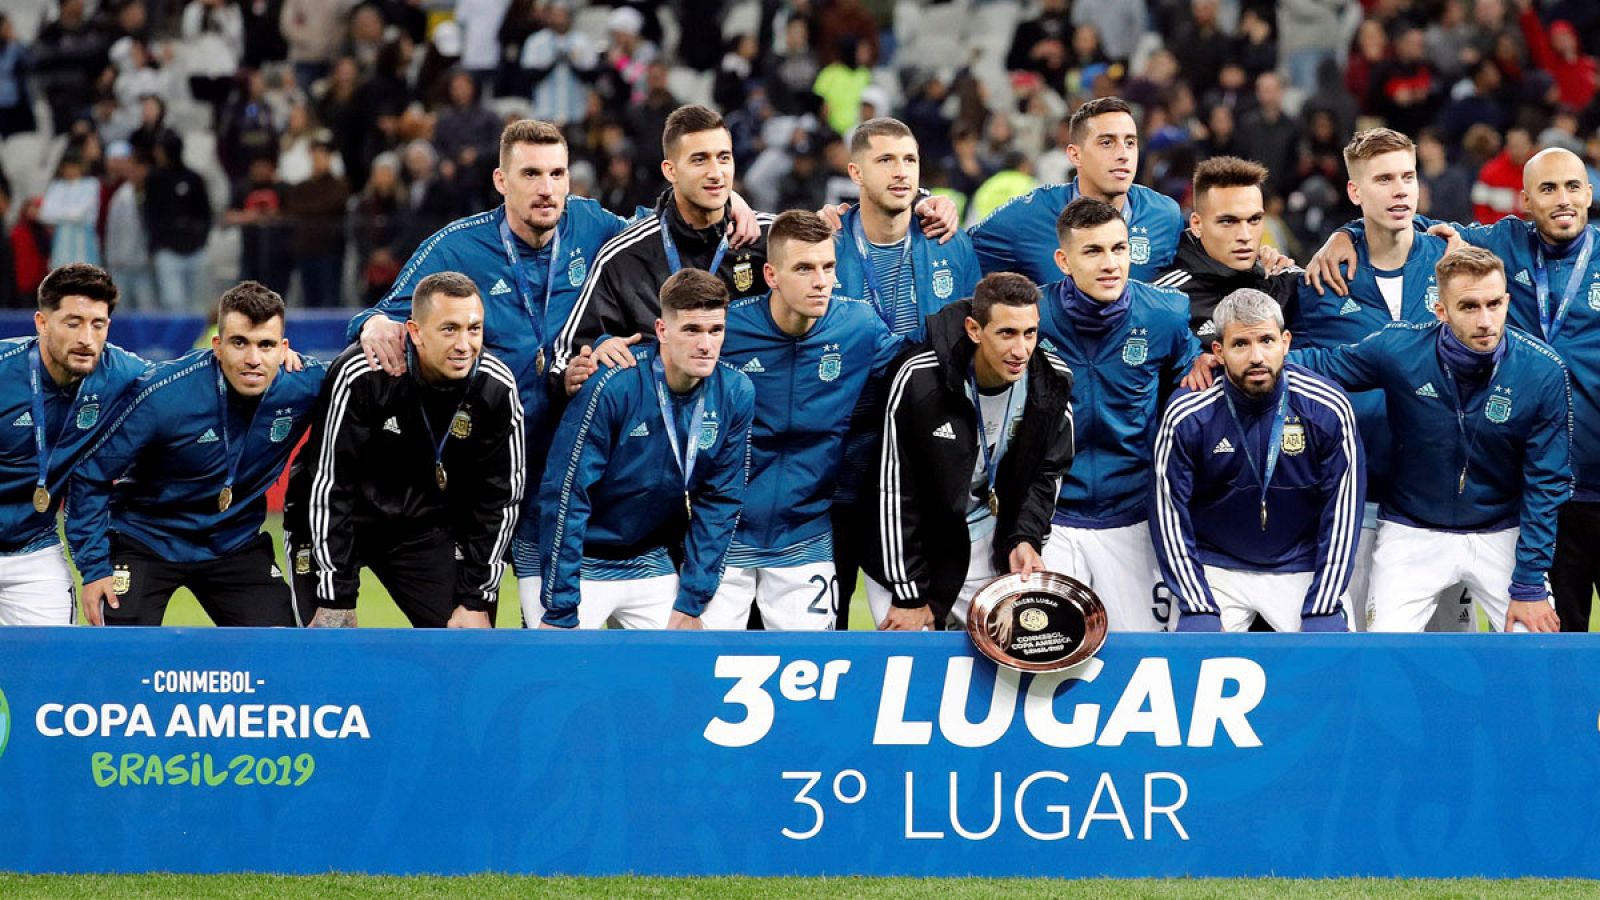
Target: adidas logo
276, 572
1523, 279
210, 437
499, 288
753, 366
391, 425
1350, 306
24, 421
945, 431
1223, 446
640, 430
1427, 391
1209, 328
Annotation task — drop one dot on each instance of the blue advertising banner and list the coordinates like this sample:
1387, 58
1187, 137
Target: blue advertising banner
603, 753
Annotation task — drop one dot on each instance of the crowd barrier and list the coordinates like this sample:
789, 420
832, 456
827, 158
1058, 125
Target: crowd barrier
694, 754
159, 336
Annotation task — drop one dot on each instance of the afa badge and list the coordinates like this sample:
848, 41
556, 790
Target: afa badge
708, 434
302, 561
743, 276
461, 425
1294, 438
1135, 351
577, 271
121, 580
88, 414
1139, 250
1498, 409
1433, 293
944, 284
280, 429
830, 366
1594, 295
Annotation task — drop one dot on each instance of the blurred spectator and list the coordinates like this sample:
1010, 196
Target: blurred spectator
620, 189
1054, 166
71, 207
1450, 41
1480, 100
248, 131
432, 201
16, 106
622, 69
480, 22
1558, 52
469, 134
257, 208
316, 207
1448, 186
1116, 24
522, 20
648, 118
127, 242
700, 44
1014, 179
1255, 46
141, 73
30, 252
177, 215
924, 114
69, 54
294, 153
132, 20
314, 31
8, 269
559, 62
441, 57
1273, 137
1498, 190
152, 128
263, 35
1222, 134
834, 21
964, 170
336, 100
1309, 32
1406, 89
1037, 110
1333, 98
1042, 44
1562, 132
840, 84
796, 70
375, 223
213, 43
1087, 51
805, 184
365, 40
1202, 46
738, 73
1154, 80
1370, 50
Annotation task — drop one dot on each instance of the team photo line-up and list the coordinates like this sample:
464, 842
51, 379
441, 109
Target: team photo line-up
710, 417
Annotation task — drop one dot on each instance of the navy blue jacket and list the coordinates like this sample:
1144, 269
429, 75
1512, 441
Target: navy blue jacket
1207, 496
156, 473
612, 489
74, 419
941, 272
805, 390
1020, 236
1120, 384
1513, 436
516, 329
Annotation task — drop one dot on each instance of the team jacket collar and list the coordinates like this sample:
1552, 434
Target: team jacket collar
1193, 258
691, 240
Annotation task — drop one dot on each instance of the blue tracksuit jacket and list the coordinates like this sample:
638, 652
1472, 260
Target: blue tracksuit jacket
1207, 497
1120, 383
156, 473
75, 417
518, 322
1513, 436
1021, 235
612, 489
805, 390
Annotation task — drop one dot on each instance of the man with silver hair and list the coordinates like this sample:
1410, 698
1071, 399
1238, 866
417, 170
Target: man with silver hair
1269, 458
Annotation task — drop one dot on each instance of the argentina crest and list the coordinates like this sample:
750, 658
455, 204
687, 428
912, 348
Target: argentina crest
944, 283
1135, 351
831, 364
1139, 250
577, 270
708, 431
1294, 438
280, 429
1594, 295
1498, 409
743, 275
88, 414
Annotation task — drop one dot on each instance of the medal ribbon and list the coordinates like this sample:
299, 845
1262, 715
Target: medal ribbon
883, 303
991, 463
674, 262
525, 293
682, 453
42, 451
227, 445
1541, 283
436, 442
1461, 418
1274, 445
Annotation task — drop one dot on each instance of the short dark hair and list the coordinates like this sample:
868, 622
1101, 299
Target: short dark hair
528, 131
1227, 172
77, 280
1003, 289
1084, 212
1099, 106
882, 126
686, 120
450, 284
253, 300
801, 225
692, 289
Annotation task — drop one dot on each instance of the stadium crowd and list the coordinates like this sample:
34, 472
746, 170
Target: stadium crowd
932, 445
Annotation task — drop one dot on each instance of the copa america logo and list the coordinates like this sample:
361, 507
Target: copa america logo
1045, 623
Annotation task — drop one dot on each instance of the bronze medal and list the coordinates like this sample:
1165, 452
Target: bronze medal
994, 504
225, 499
538, 362
439, 475
688, 506
41, 499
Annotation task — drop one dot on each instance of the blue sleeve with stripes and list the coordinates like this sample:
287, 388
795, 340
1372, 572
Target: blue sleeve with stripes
1344, 479
1171, 529
578, 456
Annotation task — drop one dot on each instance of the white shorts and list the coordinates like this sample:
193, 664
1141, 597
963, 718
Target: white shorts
637, 603
1119, 565
1278, 597
528, 590
1412, 566
980, 571
36, 588
791, 598
1453, 614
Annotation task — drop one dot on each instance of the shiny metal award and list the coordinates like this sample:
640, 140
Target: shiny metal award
1045, 624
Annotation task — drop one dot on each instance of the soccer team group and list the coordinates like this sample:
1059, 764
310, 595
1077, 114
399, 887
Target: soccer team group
715, 418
